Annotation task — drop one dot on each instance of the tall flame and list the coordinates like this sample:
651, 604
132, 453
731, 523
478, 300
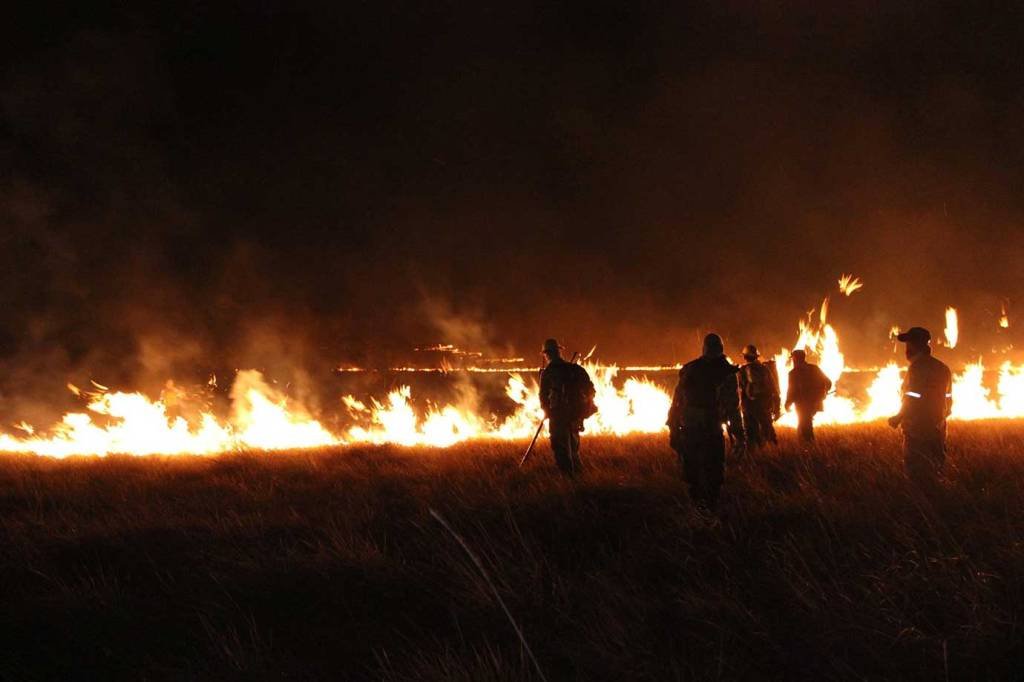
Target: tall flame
952, 330
823, 343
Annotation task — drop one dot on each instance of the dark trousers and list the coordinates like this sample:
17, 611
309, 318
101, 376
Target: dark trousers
805, 422
924, 454
758, 423
702, 455
565, 443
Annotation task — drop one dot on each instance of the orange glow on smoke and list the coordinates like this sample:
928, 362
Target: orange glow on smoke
261, 417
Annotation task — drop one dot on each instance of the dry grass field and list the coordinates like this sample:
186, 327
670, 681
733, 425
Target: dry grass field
825, 564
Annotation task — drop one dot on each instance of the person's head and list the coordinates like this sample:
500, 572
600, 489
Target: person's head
551, 350
750, 353
918, 341
799, 357
713, 346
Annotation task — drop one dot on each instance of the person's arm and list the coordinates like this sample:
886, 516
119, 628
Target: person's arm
730, 405
588, 392
776, 395
949, 391
675, 412
791, 390
545, 389
897, 419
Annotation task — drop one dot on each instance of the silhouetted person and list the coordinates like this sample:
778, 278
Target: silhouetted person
759, 397
567, 397
808, 387
927, 401
705, 398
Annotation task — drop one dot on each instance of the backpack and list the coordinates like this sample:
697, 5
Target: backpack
773, 370
760, 382
585, 392
574, 393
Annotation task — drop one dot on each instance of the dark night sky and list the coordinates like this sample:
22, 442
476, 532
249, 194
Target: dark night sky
196, 184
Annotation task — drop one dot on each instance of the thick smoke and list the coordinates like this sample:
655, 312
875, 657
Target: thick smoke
194, 190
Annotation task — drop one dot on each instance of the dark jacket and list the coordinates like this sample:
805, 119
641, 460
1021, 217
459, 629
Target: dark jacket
566, 391
758, 384
808, 387
706, 396
927, 395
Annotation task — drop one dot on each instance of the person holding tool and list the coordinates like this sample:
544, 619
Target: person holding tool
567, 398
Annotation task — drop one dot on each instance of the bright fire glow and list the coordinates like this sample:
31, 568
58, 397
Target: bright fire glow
952, 330
639, 406
261, 417
132, 423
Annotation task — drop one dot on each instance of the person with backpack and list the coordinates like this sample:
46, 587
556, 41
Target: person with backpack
808, 387
567, 398
705, 398
759, 398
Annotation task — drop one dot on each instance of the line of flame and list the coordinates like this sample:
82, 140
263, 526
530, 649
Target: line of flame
261, 417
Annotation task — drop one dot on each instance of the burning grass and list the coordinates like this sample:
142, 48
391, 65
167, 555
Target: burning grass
327, 564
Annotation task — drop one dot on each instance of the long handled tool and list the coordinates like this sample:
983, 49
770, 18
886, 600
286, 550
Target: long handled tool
533, 442
526, 455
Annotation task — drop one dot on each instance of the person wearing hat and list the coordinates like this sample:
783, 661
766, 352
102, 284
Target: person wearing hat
567, 398
927, 401
808, 387
705, 398
759, 398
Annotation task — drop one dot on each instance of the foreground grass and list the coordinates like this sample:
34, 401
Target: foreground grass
328, 565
